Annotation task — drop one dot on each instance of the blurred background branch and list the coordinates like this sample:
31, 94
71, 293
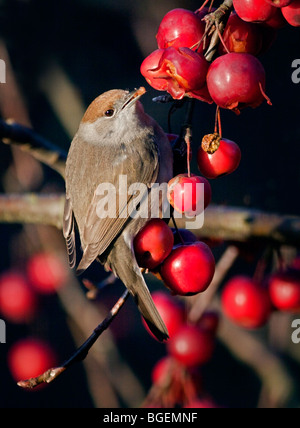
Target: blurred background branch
221, 222
59, 57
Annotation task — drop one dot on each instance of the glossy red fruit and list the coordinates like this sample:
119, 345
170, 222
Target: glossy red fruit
191, 346
150, 63
223, 161
189, 194
153, 243
284, 289
18, 302
184, 72
189, 269
253, 10
241, 37
46, 272
171, 311
292, 13
30, 357
279, 3
161, 370
246, 302
236, 81
180, 28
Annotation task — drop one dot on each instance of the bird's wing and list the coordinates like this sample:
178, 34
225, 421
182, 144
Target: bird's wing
98, 233
69, 231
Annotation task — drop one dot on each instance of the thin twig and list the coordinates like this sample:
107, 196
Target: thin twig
201, 302
32, 208
81, 353
187, 138
217, 21
93, 289
277, 383
31, 142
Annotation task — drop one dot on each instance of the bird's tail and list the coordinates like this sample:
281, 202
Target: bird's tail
149, 311
129, 273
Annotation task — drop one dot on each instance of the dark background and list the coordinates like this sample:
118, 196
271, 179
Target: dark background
100, 45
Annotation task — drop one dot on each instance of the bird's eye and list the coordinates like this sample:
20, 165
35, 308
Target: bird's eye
109, 113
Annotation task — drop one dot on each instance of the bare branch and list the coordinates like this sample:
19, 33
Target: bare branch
277, 383
216, 22
31, 142
221, 222
81, 353
243, 224
32, 209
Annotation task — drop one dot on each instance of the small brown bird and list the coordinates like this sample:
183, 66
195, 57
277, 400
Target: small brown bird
116, 138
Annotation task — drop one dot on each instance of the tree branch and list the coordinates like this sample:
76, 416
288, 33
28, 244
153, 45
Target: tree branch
251, 350
243, 224
31, 142
32, 208
220, 222
216, 22
81, 353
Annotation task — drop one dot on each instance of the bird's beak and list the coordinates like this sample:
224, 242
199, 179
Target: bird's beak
133, 96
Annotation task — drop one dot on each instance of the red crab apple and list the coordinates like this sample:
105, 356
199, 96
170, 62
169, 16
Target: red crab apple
46, 272
253, 10
189, 268
30, 357
161, 369
236, 81
191, 346
189, 194
171, 311
153, 243
184, 72
18, 302
150, 63
222, 159
284, 289
246, 302
180, 28
292, 13
241, 36
279, 3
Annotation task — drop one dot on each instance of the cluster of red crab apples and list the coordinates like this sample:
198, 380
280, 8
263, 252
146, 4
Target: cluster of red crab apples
233, 79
